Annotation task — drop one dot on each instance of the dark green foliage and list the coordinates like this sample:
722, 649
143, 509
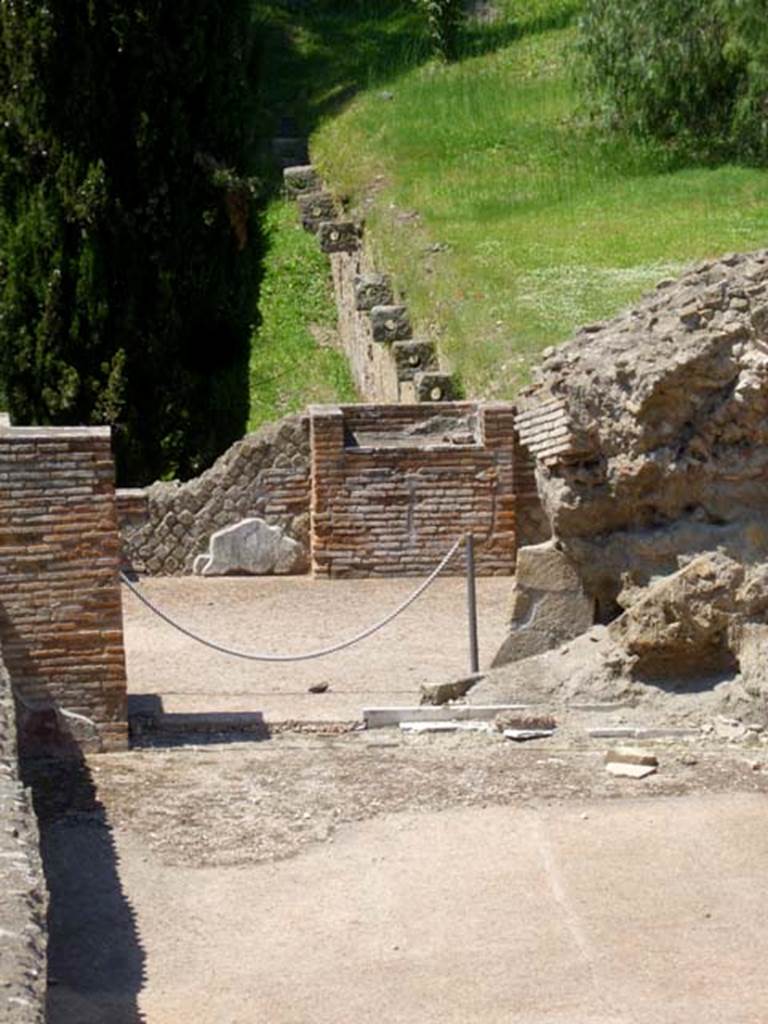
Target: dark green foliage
444, 18
127, 247
693, 73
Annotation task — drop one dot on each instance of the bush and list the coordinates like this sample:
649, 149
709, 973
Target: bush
127, 280
444, 18
690, 72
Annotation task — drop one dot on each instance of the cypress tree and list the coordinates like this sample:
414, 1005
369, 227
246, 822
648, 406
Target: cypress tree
128, 249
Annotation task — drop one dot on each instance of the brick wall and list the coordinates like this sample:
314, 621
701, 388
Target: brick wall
60, 609
394, 486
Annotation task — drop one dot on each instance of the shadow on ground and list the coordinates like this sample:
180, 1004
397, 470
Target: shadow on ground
96, 963
316, 56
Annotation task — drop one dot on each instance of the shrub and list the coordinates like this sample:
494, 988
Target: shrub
444, 18
690, 72
128, 251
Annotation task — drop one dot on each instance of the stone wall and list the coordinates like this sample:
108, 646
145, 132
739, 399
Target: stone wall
373, 368
394, 486
388, 363
265, 475
60, 606
22, 887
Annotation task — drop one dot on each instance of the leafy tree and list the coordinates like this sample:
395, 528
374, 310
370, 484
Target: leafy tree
127, 246
690, 72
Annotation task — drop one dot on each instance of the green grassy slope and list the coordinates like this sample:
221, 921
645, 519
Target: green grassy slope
313, 59
508, 218
293, 362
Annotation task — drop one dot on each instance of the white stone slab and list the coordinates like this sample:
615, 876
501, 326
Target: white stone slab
251, 547
630, 771
378, 718
528, 734
452, 726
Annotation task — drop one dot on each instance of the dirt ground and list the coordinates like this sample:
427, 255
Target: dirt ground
381, 877
391, 878
427, 644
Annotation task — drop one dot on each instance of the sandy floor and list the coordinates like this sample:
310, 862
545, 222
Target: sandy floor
381, 878
427, 644
638, 910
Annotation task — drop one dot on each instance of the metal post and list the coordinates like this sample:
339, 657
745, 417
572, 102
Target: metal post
474, 658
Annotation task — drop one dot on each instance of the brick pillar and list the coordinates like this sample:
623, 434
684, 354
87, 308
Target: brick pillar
498, 430
60, 606
327, 447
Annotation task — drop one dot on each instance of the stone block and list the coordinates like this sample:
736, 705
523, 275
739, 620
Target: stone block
251, 547
290, 151
300, 179
316, 208
631, 762
339, 236
412, 357
546, 567
372, 290
435, 387
390, 323
442, 693
751, 643
549, 605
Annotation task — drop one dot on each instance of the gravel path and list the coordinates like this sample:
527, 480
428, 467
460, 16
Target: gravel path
427, 644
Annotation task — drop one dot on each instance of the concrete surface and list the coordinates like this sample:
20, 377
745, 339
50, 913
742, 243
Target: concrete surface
427, 644
624, 912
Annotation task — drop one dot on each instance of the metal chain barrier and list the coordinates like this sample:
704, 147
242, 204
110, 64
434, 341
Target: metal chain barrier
323, 652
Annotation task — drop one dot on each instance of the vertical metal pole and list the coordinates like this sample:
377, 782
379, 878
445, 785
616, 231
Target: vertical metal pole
474, 657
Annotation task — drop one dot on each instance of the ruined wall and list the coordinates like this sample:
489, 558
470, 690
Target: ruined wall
378, 463
267, 474
22, 886
650, 437
388, 364
373, 368
650, 431
60, 609
394, 486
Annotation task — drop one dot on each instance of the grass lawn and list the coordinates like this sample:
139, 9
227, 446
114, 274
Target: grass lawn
505, 216
293, 362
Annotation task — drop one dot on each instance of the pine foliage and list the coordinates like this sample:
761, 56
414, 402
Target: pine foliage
127, 245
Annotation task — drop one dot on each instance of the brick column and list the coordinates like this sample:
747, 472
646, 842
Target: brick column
60, 606
327, 446
498, 429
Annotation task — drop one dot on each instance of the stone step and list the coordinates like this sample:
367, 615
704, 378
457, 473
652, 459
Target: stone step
300, 178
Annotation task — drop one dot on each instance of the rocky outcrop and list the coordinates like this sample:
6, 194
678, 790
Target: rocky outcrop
690, 623
650, 431
649, 437
689, 647
22, 887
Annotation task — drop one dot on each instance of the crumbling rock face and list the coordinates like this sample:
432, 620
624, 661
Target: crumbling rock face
649, 436
650, 431
692, 622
